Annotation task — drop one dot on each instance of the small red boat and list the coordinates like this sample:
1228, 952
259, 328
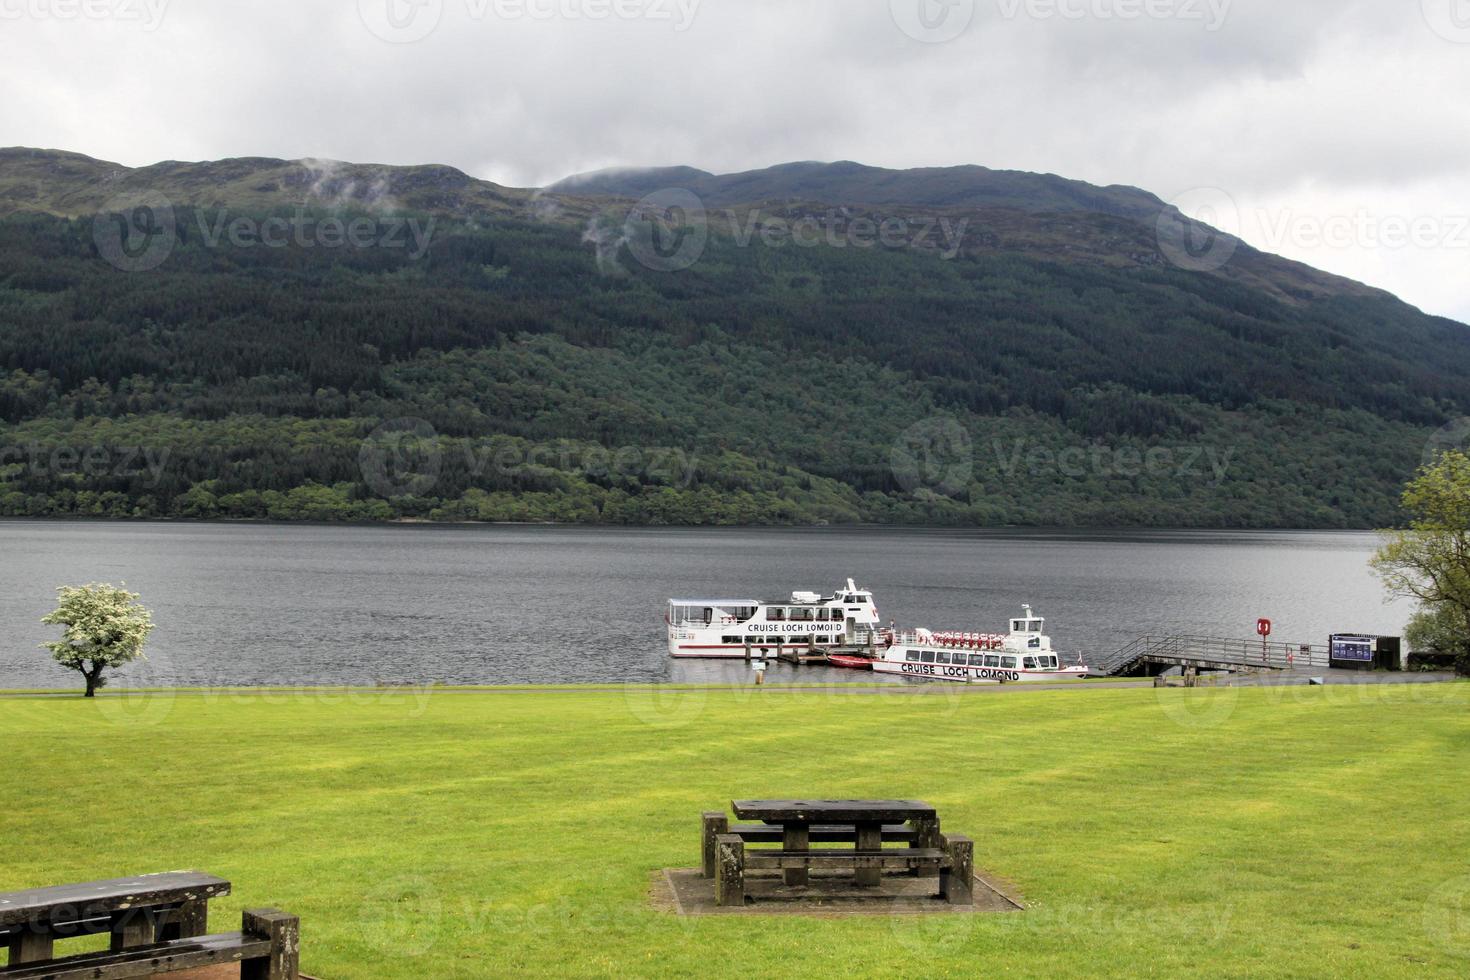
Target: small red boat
850, 662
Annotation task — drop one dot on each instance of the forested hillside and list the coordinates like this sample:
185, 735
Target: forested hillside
521, 365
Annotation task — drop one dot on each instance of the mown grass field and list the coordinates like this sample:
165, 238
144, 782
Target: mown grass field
1234, 832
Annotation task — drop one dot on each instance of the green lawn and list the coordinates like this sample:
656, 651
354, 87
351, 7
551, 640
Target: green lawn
1235, 832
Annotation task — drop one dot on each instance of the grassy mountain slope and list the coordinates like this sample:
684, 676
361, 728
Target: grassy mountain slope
1057, 370
853, 183
70, 184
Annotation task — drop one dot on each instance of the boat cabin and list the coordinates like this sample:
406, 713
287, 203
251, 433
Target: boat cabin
1028, 632
731, 627
996, 661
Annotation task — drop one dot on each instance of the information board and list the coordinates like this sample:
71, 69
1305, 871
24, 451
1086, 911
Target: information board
1352, 648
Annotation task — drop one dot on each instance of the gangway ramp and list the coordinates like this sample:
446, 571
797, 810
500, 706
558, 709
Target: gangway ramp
1154, 654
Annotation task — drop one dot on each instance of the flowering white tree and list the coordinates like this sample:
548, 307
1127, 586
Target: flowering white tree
105, 627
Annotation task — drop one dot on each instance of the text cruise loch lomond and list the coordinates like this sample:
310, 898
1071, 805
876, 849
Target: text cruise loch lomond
1025, 654
733, 627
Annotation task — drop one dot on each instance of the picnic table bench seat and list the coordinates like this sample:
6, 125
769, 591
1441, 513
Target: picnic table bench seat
827, 860
829, 833
955, 862
146, 961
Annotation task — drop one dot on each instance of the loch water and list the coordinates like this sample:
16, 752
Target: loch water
257, 604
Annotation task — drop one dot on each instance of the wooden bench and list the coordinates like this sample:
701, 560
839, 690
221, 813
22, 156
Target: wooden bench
713, 823
866, 824
955, 862
156, 924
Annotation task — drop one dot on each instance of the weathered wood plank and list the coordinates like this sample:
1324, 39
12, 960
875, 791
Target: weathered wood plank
133, 927
712, 825
904, 857
926, 834
820, 833
869, 838
957, 879
283, 962
191, 919
730, 874
795, 839
30, 947
65, 904
161, 958
833, 811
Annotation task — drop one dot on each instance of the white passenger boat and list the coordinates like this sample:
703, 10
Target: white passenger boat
1024, 654
745, 627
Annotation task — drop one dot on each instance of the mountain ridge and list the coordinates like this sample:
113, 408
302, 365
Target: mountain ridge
1044, 215
846, 181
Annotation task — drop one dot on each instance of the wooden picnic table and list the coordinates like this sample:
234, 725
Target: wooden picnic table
157, 923
136, 911
796, 818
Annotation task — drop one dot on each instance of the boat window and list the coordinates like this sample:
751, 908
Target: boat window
912, 656
1034, 643
927, 656
801, 615
943, 658
774, 615
1029, 663
727, 640
1018, 626
977, 660
1009, 663
992, 660
821, 615
863, 598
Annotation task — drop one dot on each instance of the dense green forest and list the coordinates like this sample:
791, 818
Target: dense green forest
516, 372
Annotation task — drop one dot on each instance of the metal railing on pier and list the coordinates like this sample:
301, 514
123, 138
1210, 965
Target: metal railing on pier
1211, 653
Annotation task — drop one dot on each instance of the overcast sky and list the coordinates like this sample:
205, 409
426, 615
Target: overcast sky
1333, 131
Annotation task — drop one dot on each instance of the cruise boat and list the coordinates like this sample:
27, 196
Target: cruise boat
847, 617
1024, 654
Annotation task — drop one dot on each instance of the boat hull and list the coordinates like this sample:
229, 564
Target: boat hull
732, 652
976, 675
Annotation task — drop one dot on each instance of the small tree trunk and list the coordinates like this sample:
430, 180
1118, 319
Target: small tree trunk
93, 676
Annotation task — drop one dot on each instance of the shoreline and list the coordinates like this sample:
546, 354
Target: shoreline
912, 528
1333, 677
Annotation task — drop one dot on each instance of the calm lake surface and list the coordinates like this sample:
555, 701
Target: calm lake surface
273, 604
